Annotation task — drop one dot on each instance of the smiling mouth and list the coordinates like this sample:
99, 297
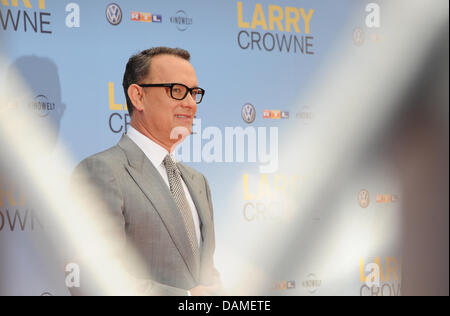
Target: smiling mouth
183, 116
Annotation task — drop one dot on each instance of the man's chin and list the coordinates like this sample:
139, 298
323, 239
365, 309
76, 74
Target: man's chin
185, 124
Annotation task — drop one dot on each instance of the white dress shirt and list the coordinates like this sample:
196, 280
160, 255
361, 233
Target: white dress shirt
156, 154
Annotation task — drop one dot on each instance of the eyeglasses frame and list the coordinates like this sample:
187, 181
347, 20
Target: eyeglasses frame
171, 85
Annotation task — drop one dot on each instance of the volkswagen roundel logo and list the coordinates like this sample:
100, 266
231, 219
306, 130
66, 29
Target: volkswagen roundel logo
363, 198
358, 36
113, 14
248, 113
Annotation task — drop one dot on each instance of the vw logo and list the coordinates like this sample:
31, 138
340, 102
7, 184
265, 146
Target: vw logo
363, 198
248, 113
358, 36
113, 14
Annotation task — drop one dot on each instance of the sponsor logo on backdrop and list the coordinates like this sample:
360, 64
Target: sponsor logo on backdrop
25, 15
73, 16
305, 115
312, 283
274, 28
46, 294
358, 36
363, 198
266, 196
113, 14
387, 198
15, 215
270, 114
42, 106
213, 144
372, 23
275, 114
248, 113
381, 280
181, 20
284, 285
145, 17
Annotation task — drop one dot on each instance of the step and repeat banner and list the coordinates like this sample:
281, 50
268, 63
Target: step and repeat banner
259, 62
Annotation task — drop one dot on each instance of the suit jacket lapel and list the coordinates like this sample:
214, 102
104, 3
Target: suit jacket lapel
153, 186
196, 188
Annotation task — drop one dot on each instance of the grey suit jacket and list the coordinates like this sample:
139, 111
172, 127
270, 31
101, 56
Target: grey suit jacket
146, 217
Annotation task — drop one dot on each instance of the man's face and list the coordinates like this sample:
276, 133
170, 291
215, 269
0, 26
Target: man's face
162, 114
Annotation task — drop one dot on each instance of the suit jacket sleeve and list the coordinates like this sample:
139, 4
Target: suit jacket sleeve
214, 273
100, 189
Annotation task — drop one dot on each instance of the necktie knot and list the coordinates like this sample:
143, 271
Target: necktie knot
170, 163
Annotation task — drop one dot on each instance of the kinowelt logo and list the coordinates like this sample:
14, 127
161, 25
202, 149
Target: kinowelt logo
181, 20
42, 105
312, 283
305, 115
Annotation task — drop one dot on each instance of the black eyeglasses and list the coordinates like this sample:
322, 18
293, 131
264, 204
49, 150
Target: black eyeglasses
179, 91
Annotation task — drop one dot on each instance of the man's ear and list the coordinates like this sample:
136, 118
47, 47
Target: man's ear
135, 93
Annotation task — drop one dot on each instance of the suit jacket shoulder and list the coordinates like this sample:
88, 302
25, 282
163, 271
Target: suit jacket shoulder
112, 157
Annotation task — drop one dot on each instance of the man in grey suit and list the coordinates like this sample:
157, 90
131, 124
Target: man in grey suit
160, 207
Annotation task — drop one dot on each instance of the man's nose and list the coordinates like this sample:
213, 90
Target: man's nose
189, 101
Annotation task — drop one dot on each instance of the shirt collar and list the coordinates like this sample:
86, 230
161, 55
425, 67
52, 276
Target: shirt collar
154, 152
